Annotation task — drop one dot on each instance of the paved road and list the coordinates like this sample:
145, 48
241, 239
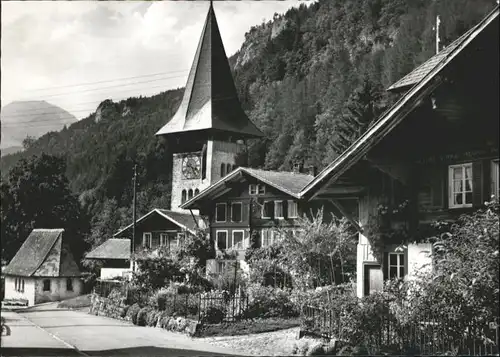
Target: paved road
51, 331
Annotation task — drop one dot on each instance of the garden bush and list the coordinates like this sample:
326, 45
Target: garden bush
151, 318
124, 311
142, 316
213, 315
269, 302
132, 313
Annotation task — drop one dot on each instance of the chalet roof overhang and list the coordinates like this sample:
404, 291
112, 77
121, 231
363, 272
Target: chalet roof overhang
393, 116
163, 214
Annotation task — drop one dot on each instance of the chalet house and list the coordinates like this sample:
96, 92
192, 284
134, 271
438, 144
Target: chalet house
432, 156
43, 269
157, 232
248, 207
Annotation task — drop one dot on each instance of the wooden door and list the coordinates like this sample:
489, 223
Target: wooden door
374, 279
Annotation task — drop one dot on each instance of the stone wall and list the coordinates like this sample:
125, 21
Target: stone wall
115, 307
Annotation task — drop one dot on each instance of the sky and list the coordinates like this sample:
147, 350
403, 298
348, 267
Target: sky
57, 50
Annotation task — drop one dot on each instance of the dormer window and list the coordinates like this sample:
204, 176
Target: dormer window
256, 189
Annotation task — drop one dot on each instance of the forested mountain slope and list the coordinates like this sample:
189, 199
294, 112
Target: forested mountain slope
312, 79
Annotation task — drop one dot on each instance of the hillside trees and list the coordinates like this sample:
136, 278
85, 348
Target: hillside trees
37, 195
311, 79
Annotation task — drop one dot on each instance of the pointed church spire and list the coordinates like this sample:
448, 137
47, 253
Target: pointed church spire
210, 102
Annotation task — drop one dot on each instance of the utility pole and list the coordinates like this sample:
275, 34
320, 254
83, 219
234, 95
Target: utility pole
134, 180
438, 40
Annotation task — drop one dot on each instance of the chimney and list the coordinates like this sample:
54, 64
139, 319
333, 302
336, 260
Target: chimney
313, 170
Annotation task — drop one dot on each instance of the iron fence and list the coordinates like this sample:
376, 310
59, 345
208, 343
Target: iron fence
232, 307
431, 335
205, 307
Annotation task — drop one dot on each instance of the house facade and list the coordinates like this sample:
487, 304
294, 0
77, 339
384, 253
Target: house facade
432, 156
250, 208
43, 269
159, 232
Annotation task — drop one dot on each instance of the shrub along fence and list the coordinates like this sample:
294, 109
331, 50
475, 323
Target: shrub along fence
206, 307
430, 336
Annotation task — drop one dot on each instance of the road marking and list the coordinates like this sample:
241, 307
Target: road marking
55, 336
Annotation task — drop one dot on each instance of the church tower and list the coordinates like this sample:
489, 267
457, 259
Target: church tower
209, 128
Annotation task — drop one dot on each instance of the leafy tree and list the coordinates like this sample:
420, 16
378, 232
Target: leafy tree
37, 195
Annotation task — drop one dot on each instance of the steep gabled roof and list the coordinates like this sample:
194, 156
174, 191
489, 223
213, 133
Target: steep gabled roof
113, 248
392, 117
43, 254
210, 101
185, 221
287, 182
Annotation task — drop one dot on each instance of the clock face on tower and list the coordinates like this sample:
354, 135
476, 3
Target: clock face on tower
191, 167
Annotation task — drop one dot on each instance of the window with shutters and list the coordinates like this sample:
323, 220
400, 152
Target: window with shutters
238, 239
495, 179
278, 210
293, 211
460, 186
220, 212
236, 208
396, 265
267, 210
222, 241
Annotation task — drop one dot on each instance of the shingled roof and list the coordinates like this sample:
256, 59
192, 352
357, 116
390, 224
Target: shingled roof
113, 248
210, 101
43, 254
185, 221
290, 183
421, 71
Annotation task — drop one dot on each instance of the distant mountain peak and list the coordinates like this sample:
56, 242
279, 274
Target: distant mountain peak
31, 118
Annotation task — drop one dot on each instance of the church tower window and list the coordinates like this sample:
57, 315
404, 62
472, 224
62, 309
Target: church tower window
183, 196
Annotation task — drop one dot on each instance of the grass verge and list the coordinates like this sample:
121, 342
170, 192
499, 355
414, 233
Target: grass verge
75, 303
247, 327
